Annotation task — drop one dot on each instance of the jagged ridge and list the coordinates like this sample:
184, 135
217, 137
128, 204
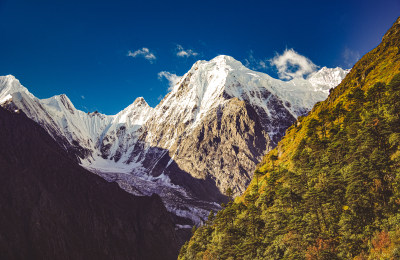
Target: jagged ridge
330, 189
206, 135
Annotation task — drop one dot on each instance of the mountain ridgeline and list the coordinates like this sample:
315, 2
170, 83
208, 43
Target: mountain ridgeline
51, 208
205, 136
331, 187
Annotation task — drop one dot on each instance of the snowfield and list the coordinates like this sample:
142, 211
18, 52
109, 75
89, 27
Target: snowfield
127, 147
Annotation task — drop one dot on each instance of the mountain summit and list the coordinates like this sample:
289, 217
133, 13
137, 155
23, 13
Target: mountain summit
205, 136
331, 187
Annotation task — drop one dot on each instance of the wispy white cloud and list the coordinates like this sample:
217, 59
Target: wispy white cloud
83, 97
172, 78
255, 64
291, 65
143, 52
181, 52
350, 57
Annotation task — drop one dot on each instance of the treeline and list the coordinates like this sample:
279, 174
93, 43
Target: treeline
337, 198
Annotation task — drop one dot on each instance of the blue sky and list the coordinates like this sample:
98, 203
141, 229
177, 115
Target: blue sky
81, 48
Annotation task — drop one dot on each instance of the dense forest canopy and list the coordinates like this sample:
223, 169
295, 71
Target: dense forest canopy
331, 188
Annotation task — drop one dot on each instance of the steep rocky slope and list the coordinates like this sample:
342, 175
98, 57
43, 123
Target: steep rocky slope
206, 135
51, 208
331, 187
220, 118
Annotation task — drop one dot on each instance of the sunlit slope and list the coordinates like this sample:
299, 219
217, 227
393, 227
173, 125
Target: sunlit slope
331, 188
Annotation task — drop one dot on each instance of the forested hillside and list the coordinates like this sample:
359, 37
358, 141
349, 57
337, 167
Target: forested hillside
331, 188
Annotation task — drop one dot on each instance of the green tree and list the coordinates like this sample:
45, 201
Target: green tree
229, 193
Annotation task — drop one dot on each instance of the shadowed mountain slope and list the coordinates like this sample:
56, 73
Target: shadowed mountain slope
205, 136
51, 208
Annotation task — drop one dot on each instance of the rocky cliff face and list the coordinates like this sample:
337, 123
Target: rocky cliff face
332, 178
51, 208
206, 135
225, 147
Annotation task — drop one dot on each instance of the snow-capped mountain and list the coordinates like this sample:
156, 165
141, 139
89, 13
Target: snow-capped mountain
206, 135
327, 78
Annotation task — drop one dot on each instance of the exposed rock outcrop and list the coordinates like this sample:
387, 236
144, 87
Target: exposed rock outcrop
206, 135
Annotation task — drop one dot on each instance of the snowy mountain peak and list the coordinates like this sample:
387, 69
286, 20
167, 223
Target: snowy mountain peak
60, 103
135, 114
9, 78
227, 60
209, 84
327, 78
140, 102
9, 85
188, 137
221, 62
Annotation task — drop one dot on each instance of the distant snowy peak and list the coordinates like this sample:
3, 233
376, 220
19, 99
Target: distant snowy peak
140, 102
327, 78
216, 122
9, 85
224, 61
60, 103
210, 83
197, 92
135, 114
